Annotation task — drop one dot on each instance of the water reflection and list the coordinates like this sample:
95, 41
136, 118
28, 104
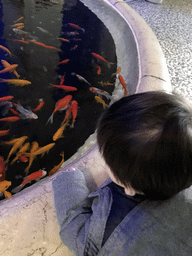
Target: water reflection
51, 35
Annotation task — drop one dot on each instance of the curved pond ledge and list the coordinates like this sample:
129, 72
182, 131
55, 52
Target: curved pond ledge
28, 221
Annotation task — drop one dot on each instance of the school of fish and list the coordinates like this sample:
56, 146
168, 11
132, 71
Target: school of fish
26, 151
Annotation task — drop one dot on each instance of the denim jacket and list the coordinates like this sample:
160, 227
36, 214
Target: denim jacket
152, 228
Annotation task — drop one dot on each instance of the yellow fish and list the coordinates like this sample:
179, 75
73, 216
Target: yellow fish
105, 83
98, 99
5, 49
18, 82
4, 185
17, 144
34, 147
118, 71
11, 142
17, 24
57, 167
6, 64
44, 149
59, 132
22, 150
19, 19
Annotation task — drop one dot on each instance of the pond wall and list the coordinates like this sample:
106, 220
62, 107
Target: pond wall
28, 224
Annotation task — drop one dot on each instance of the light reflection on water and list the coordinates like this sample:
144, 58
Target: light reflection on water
45, 21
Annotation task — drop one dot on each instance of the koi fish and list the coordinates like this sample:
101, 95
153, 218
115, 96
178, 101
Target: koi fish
11, 142
7, 194
62, 104
22, 33
33, 176
64, 61
17, 24
17, 82
57, 167
98, 99
39, 106
80, 78
101, 92
44, 45
19, 19
63, 39
121, 80
4, 185
6, 64
42, 150
22, 150
72, 33
6, 98
74, 105
21, 27
98, 69
14, 111
10, 119
2, 169
74, 47
4, 132
9, 69
105, 83
62, 80
25, 113
22, 41
117, 72
68, 113
65, 87
76, 26
34, 147
59, 132
44, 31
16, 145
5, 49
23, 159
100, 58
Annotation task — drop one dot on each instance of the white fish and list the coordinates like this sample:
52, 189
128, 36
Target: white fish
44, 31
80, 78
25, 113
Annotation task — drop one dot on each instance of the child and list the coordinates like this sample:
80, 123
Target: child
145, 208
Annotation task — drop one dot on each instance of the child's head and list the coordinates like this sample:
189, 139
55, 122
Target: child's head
146, 140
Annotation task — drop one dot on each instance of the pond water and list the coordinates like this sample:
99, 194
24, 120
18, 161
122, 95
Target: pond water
50, 33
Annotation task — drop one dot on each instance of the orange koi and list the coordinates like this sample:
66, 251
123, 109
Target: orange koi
22, 150
9, 69
4, 185
74, 47
2, 168
74, 105
17, 145
64, 61
42, 150
59, 133
19, 19
17, 24
6, 64
5, 49
76, 26
44, 45
4, 132
62, 80
17, 82
63, 39
14, 111
6, 98
40, 105
11, 142
121, 80
68, 113
98, 99
22, 41
10, 119
7, 194
57, 167
33, 176
62, 104
65, 87
100, 57
34, 147
98, 69
20, 27
118, 71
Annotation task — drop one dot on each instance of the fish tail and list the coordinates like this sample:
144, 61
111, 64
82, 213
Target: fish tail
17, 189
50, 119
109, 64
72, 126
83, 30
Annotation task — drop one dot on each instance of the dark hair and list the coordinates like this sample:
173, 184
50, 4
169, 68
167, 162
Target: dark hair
146, 140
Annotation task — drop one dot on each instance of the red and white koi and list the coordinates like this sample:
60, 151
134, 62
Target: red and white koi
80, 78
25, 113
36, 176
76, 26
62, 104
101, 92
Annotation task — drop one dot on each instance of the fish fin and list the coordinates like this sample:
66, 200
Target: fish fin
17, 189
72, 126
50, 119
109, 64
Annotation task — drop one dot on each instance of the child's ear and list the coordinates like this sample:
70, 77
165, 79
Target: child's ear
129, 191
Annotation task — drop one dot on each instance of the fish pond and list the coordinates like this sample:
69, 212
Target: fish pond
57, 63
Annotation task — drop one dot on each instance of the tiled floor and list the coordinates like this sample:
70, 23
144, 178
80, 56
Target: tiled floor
171, 22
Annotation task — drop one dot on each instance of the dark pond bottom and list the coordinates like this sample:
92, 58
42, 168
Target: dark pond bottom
45, 22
